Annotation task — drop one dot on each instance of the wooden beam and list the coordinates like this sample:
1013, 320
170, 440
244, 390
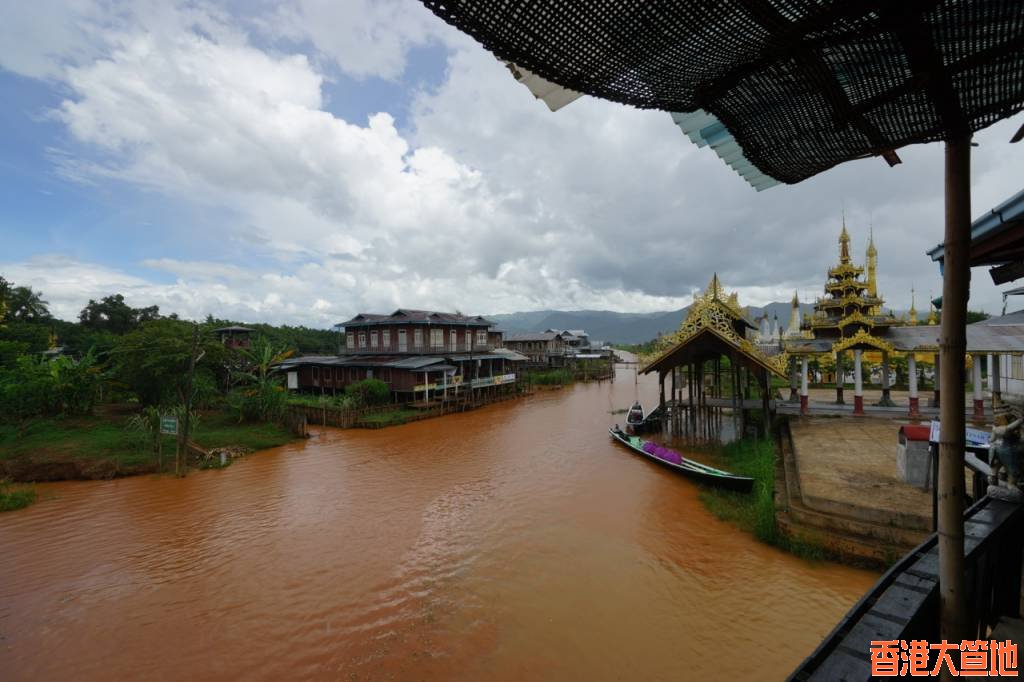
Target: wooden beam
953, 345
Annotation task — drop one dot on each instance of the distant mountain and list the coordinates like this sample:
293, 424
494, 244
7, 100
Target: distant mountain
612, 327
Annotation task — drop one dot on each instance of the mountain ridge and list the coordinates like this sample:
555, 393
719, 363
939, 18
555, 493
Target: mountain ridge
614, 327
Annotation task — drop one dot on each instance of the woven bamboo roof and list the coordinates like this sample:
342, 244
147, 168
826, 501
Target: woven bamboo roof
801, 85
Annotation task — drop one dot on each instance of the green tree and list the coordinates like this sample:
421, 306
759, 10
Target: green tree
25, 305
112, 314
5, 294
153, 361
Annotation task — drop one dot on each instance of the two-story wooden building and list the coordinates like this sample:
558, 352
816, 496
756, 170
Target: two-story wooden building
421, 354
544, 349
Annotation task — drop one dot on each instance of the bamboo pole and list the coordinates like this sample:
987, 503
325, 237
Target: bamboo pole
953, 345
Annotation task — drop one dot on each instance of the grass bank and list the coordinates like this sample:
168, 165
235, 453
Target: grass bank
103, 447
551, 377
390, 417
15, 497
755, 512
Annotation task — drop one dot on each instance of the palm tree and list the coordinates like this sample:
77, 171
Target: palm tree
261, 359
26, 305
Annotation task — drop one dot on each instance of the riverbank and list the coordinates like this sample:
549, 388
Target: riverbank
103, 446
754, 512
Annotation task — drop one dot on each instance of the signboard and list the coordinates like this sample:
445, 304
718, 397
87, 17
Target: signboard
494, 381
976, 438
169, 426
424, 387
293, 380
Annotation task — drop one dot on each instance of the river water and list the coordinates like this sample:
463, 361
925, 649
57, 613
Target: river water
513, 542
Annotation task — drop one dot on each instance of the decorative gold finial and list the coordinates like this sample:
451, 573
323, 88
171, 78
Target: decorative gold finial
913, 309
844, 243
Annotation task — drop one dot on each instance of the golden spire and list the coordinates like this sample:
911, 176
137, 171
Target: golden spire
872, 267
933, 317
844, 243
913, 309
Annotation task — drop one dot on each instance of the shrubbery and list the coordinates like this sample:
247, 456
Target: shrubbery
59, 387
369, 392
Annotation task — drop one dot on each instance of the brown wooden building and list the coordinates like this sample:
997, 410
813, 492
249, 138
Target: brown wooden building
420, 354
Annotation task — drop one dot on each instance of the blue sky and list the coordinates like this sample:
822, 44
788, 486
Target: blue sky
303, 161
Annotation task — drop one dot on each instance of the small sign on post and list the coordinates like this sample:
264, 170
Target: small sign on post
169, 426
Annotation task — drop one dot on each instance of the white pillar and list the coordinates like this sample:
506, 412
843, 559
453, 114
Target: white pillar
912, 374
996, 370
858, 381
976, 379
989, 361
803, 376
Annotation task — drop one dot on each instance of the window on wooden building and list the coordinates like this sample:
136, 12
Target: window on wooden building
350, 340
417, 338
437, 339
362, 339
453, 343
481, 337
403, 344
386, 339
374, 340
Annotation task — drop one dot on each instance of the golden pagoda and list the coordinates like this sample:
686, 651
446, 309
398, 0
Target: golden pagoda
851, 308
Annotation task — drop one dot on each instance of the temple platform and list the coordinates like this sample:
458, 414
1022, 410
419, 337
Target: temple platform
837, 485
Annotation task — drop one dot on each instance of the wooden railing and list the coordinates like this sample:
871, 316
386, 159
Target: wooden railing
904, 603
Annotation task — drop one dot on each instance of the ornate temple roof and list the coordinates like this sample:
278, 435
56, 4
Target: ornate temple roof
714, 326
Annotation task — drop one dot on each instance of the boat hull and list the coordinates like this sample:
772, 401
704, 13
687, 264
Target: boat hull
689, 468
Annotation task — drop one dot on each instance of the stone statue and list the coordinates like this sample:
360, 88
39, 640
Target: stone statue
1006, 451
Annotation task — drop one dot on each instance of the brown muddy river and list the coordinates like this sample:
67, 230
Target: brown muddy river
514, 542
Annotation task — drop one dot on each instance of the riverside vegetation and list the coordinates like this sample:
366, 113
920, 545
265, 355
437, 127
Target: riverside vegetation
83, 399
755, 512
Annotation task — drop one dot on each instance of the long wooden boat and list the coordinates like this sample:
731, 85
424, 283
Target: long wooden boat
687, 467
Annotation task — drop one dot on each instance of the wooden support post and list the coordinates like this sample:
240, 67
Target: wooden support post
794, 380
804, 400
915, 408
765, 398
839, 379
995, 370
886, 400
953, 346
936, 392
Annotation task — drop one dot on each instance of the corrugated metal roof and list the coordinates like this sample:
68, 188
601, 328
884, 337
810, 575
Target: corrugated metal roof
409, 316
1005, 216
532, 336
417, 361
705, 130
1007, 338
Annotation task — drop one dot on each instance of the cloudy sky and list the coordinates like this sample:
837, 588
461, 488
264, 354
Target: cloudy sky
299, 162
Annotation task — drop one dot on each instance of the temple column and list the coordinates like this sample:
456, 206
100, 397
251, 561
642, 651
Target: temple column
839, 379
794, 382
935, 397
803, 385
996, 381
915, 408
858, 384
886, 400
979, 395
988, 368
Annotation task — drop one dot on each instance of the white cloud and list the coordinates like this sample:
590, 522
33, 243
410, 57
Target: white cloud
489, 203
